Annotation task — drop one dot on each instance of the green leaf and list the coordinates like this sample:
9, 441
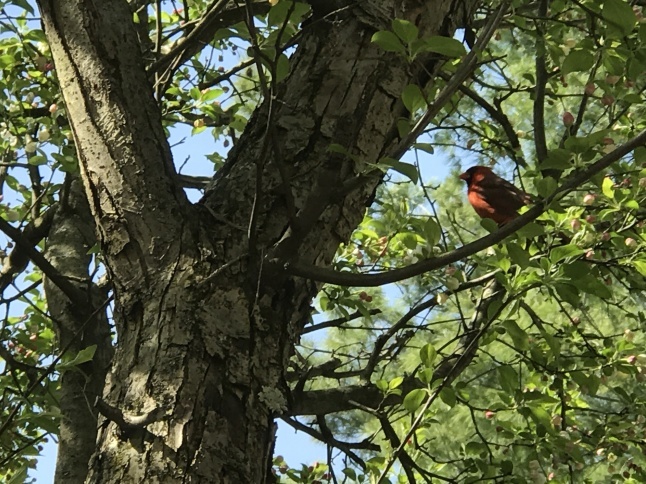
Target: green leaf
282, 67
504, 264
640, 152
12, 215
475, 448
211, 95
559, 253
324, 302
405, 30
581, 144
489, 225
557, 159
20, 476
23, 4
518, 255
632, 98
508, 378
444, 45
395, 382
540, 416
594, 286
37, 160
403, 127
427, 354
426, 375
554, 344
382, 385
631, 204
432, 231
388, 41
7, 60
577, 61
607, 187
587, 384
531, 230
623, 394
239, 123
413, 98
507, 467
369, 233
447, 395
337, 148
414, 399
278, 13
568, 293
197, 130
427, 147
408, 239
83, 356
518, 336
47, 421
620, 14
406, 169
576, 270
640, 265
95, 249
545, 186
350, 473
614, 64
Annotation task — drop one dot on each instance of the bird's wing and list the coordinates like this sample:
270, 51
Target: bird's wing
498, 191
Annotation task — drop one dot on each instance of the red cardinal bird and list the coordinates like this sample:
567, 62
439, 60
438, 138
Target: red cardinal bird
493, 197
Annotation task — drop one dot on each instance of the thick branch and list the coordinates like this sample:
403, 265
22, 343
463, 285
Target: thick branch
32, 234
41, 262
131, 184
370, 280
346, 447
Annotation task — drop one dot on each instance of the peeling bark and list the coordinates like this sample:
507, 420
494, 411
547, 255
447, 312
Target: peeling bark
206, 320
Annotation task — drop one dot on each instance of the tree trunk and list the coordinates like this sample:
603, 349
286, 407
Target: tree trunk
206, 318
79, 324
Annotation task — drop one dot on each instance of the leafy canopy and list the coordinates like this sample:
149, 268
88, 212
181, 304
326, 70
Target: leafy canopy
523, 362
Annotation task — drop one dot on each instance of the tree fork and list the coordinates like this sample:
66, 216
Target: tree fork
213, 351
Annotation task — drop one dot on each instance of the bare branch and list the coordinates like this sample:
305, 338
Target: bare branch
128, 423
332, 323
429, 304
347, 447
33, 233
216, 17
70, 290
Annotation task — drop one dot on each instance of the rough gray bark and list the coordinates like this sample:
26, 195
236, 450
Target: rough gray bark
79, 324
206, 318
